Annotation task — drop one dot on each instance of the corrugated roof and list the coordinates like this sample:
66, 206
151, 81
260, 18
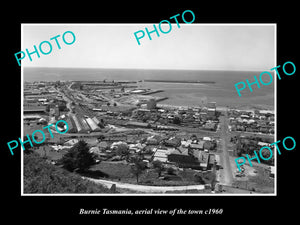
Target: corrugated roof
162, 159
92, 124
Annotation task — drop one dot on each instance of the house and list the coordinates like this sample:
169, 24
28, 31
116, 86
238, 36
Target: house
210, 125
136, 147
95, 150
152, 141
211, 112
103, 145
183, 158
160, 154
148, 156
211, 160
60, 147
71, 142
272, 171
203, 115
92, 141
263, 130
141, 112
249, 129
240, 128
186, 143
114, 145
173, 142
218, 161
207, 139
244, 116
261, 144
199, 146
203, 159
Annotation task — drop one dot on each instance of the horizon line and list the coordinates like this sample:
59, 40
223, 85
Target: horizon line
107, 68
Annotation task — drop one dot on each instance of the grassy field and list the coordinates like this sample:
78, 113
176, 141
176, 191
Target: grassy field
114, 170
122, 172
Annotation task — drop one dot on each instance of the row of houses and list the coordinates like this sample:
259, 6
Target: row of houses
186, 157
191, 118
171, 151
257, 121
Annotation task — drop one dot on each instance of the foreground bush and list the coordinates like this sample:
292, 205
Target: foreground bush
43, 177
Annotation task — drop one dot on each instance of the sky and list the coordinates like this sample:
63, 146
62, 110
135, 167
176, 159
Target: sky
190, 47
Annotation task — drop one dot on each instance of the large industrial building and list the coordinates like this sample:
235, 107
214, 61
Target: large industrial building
77, 124
92, 124
84, 125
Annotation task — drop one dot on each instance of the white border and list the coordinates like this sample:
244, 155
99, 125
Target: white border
158, 194
22, 113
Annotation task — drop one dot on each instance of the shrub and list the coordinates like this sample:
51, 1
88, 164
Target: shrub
78, 157
43, 177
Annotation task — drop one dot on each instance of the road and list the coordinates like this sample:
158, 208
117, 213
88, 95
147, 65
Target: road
226, 172
145, 188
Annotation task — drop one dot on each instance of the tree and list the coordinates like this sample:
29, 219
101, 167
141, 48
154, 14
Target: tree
194, 137
101, 137
176, 120
170, 171
207, 145
251, 149
145, 118
122, 150
199, 178
238, 147
78, 157
266, 154
239, 152
158, 166
47, 108
137, 168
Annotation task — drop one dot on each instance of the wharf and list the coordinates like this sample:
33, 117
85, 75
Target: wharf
152, 92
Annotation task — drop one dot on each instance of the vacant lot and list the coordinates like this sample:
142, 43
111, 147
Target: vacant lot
260, 182
120, 171
114, 170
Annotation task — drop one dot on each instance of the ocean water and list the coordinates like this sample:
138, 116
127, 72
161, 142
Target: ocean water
186, 94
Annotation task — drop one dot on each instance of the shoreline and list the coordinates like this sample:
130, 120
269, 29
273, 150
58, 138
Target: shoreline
220, 108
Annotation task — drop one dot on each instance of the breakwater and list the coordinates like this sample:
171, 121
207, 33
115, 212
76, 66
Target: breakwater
181, 81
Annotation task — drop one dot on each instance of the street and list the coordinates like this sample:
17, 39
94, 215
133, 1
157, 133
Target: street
226, 172
145, 188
